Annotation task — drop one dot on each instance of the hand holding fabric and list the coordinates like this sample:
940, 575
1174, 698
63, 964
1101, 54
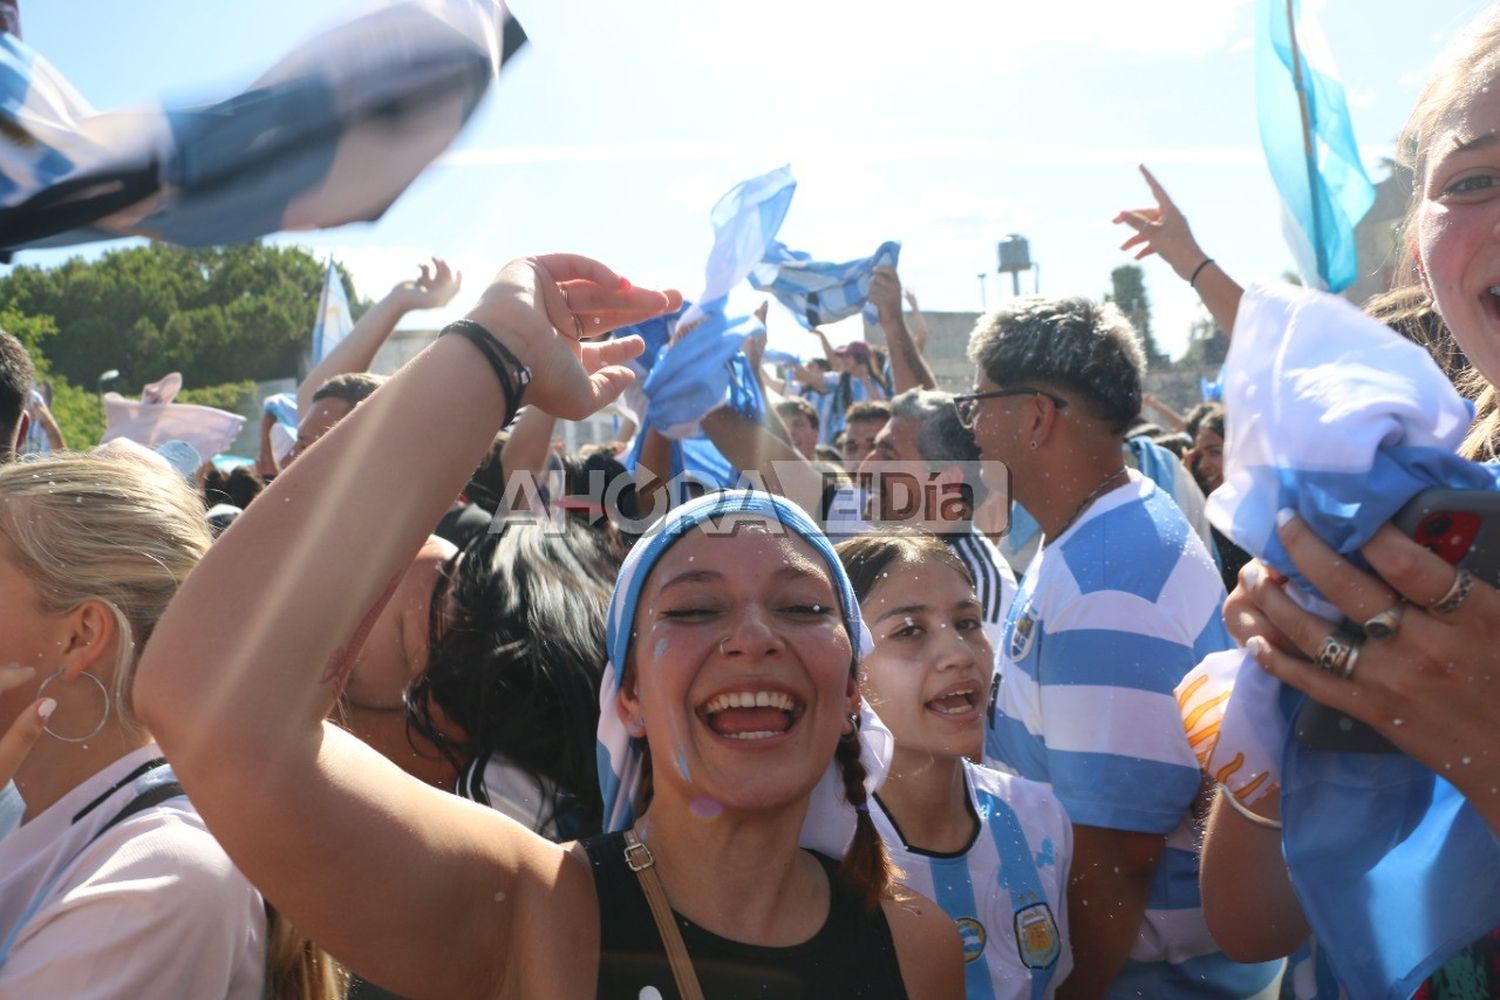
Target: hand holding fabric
1431, 688
885, 292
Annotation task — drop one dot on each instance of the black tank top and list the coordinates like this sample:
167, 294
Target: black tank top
852, 955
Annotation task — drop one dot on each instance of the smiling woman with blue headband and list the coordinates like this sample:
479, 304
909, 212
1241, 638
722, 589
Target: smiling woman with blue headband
364, 857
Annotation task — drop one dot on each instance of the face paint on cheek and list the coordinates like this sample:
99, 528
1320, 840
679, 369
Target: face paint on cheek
682, 766
704, 807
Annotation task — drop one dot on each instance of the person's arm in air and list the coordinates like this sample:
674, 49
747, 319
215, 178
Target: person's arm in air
919, 331
527, 448
1169, 416
356, 853
909, 370
265, 459
433, 289
1163, 230
751, 447
43, 416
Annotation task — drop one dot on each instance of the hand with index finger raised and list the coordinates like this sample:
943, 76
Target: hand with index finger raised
1161, 229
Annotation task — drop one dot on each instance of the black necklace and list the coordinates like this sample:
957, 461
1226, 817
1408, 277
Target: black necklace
1109, 483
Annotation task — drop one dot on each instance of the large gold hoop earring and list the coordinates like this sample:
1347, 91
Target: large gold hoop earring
103, 693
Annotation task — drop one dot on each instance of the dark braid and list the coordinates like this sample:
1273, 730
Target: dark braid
866, 867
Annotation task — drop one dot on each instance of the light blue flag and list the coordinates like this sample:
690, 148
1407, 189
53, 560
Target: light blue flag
745, 223
819, 292
1340, 419
697, 374
1324, 189
1213, 392
333, 323
332, 134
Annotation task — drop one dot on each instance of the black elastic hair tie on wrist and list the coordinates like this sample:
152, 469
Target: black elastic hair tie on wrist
1193, 281
514, 376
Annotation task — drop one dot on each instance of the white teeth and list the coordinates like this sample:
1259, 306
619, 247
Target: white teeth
764, 734
750, 699
1495, 289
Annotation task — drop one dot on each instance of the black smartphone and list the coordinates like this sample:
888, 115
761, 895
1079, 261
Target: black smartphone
1462, 526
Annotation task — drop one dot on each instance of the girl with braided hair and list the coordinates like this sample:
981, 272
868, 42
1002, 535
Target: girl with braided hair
732, 636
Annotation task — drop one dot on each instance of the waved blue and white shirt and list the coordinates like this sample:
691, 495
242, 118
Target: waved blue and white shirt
1108, 618
1006, 891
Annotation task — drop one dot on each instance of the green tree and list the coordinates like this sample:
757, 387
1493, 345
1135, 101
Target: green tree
76, 409
1128, 292
216, 315
1208, 345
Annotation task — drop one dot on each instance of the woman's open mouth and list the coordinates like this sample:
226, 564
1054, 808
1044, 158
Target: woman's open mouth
751, 714
957, 703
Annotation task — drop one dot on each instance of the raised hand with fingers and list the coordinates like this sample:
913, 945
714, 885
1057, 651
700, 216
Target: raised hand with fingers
1161, 229
541, 307
434, 288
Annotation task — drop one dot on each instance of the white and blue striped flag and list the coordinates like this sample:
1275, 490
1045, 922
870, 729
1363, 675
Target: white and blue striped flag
332, 134
333, 323
820, 292
745, 223
1308, 137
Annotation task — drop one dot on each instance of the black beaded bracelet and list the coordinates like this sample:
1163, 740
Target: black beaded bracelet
1193, 281
513, 375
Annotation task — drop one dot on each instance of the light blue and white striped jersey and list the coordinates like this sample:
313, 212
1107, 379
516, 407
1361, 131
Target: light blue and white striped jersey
1106, 621
1007, 890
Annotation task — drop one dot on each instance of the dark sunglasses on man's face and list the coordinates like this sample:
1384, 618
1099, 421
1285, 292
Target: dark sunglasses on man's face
967, 403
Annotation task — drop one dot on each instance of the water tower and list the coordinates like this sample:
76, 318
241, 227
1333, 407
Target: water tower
1015, 257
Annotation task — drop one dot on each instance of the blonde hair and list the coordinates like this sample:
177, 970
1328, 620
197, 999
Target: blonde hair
1465, 70
117, 528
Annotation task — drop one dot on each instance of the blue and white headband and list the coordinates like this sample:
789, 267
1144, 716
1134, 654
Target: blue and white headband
830, 822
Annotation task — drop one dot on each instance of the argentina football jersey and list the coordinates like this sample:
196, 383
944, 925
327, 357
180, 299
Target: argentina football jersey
1108, 618
1006, 891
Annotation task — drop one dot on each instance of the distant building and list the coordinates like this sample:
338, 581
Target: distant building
1377, 237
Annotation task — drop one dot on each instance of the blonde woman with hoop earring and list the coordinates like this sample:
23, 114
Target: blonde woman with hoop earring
110, 886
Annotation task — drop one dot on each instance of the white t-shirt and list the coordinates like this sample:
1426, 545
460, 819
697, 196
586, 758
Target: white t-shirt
529, 799
993, 899
151, 907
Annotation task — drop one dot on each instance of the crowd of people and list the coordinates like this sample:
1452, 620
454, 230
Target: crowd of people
818, 737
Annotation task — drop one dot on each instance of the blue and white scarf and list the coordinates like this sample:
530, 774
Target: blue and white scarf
821, 292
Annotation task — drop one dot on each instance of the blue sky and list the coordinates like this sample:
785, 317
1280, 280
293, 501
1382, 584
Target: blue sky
945, 125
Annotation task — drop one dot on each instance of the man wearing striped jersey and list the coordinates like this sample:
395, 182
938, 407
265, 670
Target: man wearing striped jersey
1120, 602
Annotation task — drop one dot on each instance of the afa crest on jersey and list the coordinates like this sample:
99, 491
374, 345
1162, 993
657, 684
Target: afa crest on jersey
1037, 937
971, 933
1021, 634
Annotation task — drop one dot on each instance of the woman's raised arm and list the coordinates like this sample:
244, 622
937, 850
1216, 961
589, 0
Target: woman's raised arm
412, 888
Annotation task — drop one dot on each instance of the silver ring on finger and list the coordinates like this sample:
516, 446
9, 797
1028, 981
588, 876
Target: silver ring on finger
1337, 655
1387, 623
1458, 593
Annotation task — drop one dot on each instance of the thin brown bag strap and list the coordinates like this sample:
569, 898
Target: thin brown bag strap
638, 858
